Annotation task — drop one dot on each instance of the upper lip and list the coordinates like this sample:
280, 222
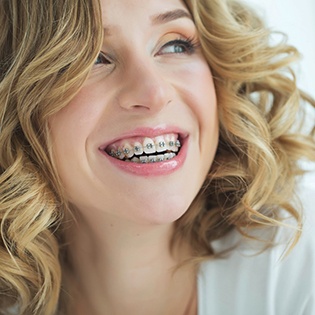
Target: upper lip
147, 132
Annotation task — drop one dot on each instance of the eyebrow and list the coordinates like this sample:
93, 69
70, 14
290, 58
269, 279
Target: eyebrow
160, 18
169, 16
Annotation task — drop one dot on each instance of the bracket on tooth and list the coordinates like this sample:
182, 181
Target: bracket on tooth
162, 144
136, 148
143, 159
152, 159
128, 152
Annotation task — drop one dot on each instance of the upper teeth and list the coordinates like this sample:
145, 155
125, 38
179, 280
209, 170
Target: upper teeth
135, 147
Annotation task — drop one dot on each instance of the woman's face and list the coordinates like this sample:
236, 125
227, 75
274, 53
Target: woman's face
139, 138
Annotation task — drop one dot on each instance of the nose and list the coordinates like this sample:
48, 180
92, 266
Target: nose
144, 88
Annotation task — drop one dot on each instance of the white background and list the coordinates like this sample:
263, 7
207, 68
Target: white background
296, 18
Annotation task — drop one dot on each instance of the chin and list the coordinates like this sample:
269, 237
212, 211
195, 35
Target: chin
166, 211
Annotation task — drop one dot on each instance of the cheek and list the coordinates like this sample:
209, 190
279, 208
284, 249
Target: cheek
201, 94
81, 113
71, 126
197, 82
206, 94
70, 129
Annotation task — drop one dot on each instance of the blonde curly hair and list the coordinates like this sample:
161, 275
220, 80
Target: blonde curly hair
46, 52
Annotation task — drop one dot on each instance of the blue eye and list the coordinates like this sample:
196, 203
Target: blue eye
178, 46
101, 59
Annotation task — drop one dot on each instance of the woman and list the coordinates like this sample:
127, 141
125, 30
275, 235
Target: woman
140, 141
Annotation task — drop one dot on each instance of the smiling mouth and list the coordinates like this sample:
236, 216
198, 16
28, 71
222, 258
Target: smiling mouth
145, 149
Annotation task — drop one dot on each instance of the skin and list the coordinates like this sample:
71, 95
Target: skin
121, 262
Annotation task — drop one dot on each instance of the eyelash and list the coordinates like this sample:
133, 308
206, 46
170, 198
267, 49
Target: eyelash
189, 45
101, 59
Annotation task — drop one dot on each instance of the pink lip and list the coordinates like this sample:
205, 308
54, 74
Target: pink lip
150, 169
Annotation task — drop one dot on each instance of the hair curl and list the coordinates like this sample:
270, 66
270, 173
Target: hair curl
46, 52
261, 115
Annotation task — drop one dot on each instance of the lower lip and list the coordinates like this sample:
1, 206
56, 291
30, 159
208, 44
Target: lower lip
152, 169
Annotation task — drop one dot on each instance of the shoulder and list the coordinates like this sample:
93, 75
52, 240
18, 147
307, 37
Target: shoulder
246, 282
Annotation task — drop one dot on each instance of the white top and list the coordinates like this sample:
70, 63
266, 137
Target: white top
247, 283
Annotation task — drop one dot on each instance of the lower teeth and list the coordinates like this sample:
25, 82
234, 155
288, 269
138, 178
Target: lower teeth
152, 158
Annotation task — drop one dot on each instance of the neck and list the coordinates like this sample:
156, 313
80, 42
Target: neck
125, 268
